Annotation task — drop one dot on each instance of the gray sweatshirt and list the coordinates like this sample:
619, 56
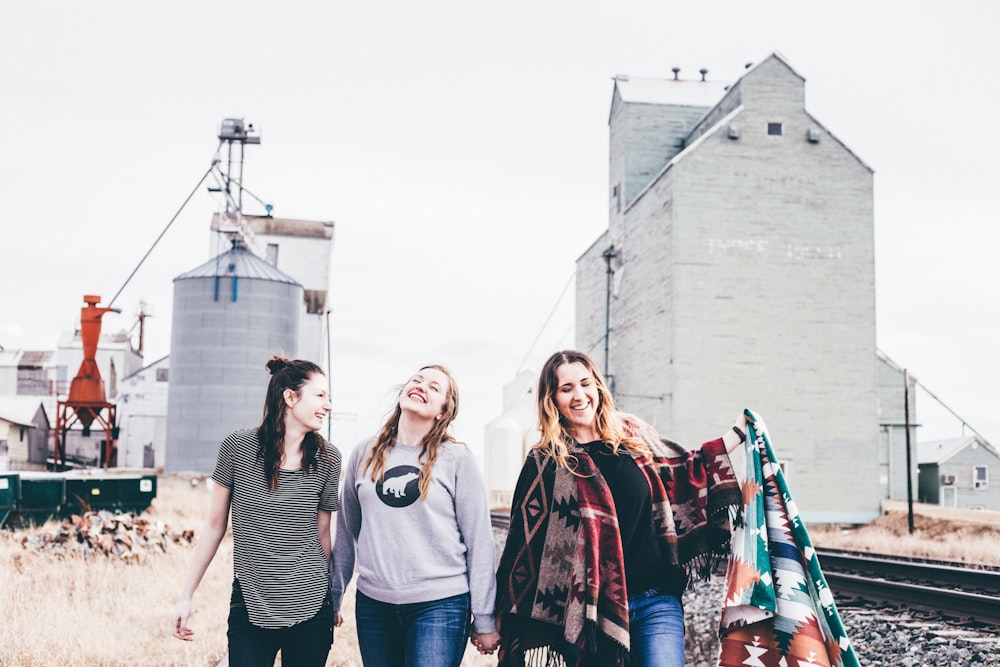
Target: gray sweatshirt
411, 550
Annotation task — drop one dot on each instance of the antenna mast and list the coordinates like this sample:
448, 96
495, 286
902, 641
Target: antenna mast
235, 134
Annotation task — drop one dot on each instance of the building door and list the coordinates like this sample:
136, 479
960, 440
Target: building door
949, 496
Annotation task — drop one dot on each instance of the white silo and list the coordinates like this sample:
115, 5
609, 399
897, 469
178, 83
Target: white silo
230, 315
509, 436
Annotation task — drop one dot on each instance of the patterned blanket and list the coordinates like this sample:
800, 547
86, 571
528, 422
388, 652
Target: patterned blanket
779, 611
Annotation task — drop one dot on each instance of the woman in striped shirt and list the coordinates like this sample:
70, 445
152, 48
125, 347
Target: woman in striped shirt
280, 482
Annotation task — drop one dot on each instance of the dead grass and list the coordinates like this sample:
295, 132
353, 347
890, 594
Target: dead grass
99, 612
970, 536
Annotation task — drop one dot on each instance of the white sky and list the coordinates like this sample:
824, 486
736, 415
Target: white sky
461, 149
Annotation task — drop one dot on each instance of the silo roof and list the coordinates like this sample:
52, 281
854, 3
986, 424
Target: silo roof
241, 263
681, 92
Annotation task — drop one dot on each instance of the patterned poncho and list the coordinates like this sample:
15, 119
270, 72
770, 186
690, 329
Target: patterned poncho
561, 580
778, 611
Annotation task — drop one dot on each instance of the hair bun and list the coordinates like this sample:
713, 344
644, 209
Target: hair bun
277, 363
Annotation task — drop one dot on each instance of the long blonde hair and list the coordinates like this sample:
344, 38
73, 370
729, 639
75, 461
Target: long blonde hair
429, 444
556, 440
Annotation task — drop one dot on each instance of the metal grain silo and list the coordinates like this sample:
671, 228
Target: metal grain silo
230, 315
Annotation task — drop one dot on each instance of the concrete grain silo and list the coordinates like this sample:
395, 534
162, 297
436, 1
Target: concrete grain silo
509, 437
230, 315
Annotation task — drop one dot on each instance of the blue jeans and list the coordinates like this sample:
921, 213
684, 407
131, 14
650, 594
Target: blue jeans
304, 644
656, 630
421, 634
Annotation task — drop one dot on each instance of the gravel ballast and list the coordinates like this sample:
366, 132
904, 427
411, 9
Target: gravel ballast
880, 638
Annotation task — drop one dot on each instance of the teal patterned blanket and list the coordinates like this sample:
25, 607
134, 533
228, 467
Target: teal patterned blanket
778, 611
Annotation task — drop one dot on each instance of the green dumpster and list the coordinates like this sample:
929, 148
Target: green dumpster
136, 493
42, 497
110, 491
10, 490
91, 493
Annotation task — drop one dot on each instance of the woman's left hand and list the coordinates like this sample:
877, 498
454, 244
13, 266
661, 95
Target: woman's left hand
737, 433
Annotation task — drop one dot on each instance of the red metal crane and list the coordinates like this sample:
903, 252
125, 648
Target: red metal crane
87, 401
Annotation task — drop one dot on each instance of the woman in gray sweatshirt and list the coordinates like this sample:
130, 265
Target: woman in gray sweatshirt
415, 520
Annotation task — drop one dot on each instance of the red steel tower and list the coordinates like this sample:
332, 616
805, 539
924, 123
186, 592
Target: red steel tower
87, 401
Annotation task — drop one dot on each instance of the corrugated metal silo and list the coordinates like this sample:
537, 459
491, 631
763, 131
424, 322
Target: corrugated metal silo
230, 315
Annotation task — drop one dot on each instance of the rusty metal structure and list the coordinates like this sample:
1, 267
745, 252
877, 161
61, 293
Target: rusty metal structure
87, 401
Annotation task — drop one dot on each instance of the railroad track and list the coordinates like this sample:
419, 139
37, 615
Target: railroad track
953, 592
500, 520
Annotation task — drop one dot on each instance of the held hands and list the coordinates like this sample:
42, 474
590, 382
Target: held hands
486, 642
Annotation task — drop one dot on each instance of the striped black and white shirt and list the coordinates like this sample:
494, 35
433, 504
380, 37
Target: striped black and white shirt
277, 554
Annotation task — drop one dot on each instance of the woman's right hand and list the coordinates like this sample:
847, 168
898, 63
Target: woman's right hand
338, 619
179, 626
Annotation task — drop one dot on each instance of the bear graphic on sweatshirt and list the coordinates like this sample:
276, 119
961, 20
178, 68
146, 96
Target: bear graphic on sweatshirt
397, 485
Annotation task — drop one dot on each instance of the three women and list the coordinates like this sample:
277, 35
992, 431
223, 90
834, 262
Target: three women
608, 523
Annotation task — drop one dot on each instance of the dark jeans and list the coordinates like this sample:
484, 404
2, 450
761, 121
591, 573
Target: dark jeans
304, 644
422, 634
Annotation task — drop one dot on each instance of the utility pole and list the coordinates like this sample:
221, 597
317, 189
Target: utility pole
909, 469
609, 254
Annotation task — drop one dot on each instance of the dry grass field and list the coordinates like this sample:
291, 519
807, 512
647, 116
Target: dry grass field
104, 611
971, 536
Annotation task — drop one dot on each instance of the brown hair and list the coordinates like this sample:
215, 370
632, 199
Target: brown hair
430, 443
285, 374
556, 440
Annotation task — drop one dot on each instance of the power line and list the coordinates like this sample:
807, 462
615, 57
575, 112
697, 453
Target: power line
546, 323
158, 238
920, 384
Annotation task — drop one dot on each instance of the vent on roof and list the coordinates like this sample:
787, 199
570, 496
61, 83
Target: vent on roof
703, 72
677, 72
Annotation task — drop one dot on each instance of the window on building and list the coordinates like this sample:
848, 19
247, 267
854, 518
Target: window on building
113, 380
315, 301
22, 434
272, 254
980, 477
775, 129
32, 381
162, 374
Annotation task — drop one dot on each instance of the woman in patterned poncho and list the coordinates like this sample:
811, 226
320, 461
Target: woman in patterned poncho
608, 521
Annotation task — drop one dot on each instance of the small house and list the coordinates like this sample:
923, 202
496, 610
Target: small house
24, 432
956, 473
